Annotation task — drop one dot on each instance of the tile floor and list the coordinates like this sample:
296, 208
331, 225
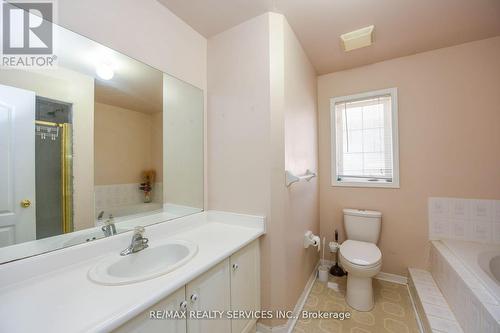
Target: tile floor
393, 311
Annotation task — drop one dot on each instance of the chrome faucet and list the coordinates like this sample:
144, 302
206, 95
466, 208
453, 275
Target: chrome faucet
138, 242
109, 228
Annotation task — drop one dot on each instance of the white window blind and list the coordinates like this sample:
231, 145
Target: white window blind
364, 142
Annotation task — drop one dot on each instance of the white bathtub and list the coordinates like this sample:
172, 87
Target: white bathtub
467, 274
482, 260
130, 210
490, 263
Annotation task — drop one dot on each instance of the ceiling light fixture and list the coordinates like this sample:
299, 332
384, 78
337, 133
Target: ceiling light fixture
104, 71
358, 38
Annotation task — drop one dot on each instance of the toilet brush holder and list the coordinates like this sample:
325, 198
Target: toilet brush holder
323, 273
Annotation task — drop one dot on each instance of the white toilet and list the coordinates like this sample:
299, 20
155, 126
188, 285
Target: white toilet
360, 256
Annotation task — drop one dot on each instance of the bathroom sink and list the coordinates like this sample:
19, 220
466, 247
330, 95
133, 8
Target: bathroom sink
154, 261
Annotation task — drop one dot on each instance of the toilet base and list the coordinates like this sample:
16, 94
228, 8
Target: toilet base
359, 294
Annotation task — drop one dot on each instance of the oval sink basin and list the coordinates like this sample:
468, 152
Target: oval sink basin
147, 264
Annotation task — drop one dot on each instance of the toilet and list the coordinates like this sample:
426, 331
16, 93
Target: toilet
360, 256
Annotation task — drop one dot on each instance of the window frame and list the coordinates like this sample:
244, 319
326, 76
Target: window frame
393, 92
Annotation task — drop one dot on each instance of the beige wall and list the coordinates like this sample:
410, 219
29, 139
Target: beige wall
126, 143
449, 137
261, 89
77, 89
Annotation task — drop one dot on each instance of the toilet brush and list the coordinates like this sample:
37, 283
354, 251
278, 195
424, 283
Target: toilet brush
336, 270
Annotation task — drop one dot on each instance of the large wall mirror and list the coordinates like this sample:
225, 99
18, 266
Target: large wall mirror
94, 146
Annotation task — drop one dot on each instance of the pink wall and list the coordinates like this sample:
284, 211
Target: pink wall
238, 118
449, 141
301, 153
238, 164
262, 119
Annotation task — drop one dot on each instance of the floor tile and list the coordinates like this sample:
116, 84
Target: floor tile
393, 311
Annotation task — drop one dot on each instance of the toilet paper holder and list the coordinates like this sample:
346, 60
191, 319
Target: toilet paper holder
311, 240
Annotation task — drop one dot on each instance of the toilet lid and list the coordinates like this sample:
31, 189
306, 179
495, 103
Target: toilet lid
360, 253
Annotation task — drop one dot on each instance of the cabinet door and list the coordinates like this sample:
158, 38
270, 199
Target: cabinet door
245, 284
209, 292
143, 323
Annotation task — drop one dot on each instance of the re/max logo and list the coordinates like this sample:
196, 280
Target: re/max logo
164, 314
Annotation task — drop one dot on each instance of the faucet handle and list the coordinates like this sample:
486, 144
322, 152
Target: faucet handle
139, 230
110, 220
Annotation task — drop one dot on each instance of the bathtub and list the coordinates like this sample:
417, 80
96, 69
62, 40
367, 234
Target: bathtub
468, 274
130, 210
482, 260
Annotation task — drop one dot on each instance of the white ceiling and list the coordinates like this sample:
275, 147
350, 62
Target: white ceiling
134, 86
402, 27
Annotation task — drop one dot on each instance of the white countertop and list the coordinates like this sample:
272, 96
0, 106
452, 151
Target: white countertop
51, 292
39, 246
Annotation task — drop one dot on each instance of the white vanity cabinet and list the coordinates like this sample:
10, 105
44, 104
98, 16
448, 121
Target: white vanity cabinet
245, 285
143, 323
233, 284
210, 292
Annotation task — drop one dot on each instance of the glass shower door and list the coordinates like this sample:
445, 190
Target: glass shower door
53, 160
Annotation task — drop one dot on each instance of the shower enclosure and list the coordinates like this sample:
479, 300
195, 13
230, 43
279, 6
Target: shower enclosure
53, 161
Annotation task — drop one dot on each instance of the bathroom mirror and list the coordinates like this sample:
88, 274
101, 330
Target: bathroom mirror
92, 146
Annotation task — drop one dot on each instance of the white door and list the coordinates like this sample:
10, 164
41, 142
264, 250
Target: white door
210, 292
245, 285
17, 165
153, 320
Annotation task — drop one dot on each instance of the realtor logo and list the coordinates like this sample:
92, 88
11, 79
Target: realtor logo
27, 27
28, 34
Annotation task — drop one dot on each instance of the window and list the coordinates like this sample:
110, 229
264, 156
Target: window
365, 139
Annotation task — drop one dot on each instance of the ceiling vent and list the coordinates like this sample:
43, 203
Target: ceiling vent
358, 38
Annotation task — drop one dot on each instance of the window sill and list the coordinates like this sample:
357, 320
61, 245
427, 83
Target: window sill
366, 184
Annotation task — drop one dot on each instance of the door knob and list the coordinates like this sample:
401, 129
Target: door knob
25, 203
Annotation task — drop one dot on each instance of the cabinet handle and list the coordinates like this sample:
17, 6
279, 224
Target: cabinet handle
183, 306
194, 298
235, 267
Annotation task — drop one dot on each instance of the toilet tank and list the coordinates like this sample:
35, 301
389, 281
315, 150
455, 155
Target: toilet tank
362, 225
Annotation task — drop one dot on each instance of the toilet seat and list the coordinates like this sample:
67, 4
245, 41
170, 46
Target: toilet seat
361, 254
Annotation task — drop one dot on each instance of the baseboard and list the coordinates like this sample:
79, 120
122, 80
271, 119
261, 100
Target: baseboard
394, 278
290, 324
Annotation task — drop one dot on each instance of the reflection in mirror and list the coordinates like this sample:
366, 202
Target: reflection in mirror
92, 147
128, 148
